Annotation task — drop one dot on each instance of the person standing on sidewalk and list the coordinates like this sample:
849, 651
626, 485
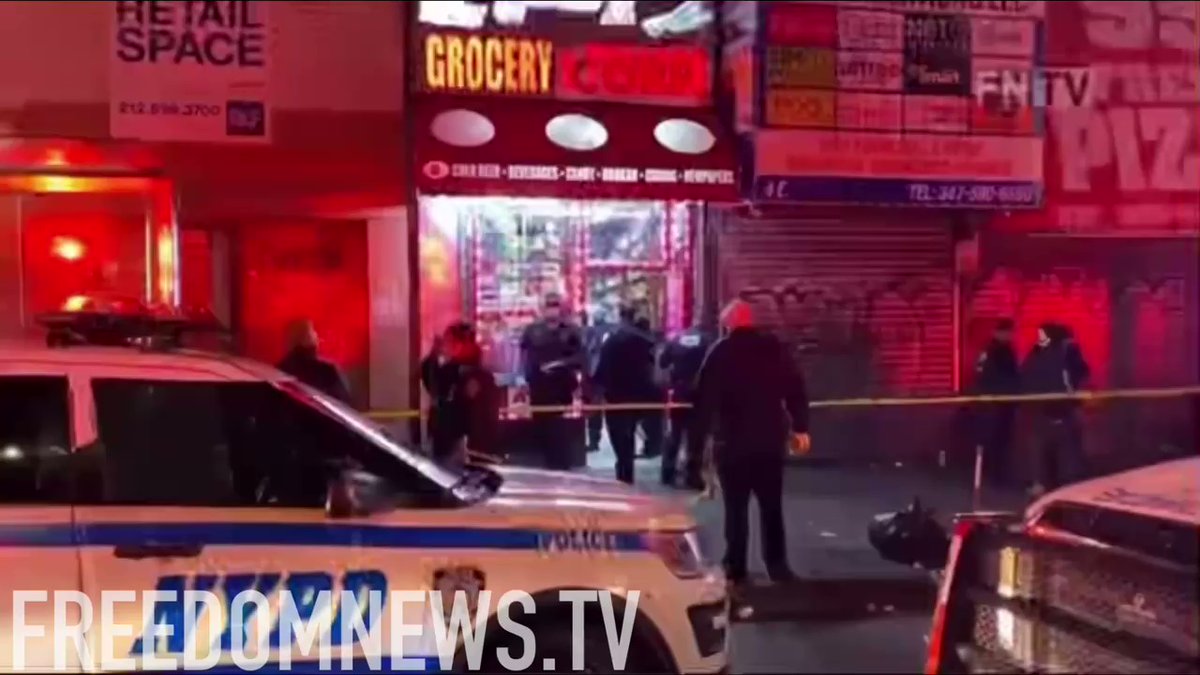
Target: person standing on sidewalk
594, 334
303, 362
997, 373
625, 372
752, 399
1055, 365
465, 402
552, 356
681, 359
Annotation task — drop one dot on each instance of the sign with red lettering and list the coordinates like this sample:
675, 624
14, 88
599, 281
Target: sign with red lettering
668, 75
1129, 161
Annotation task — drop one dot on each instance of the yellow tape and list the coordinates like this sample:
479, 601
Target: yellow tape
1114, 394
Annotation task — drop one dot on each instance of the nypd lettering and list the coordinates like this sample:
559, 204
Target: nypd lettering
309, 591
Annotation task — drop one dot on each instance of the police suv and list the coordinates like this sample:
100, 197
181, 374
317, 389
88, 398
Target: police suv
1097, 577
138, 466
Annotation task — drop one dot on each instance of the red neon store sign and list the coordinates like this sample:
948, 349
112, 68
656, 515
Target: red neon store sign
676, 75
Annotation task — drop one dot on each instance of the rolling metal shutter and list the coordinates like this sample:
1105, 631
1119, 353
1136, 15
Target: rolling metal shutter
868, 300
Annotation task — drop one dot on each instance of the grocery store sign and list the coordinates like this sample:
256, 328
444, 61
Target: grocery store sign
474, 64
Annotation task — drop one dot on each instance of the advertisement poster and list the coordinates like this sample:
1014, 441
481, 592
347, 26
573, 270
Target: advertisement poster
186, 71
915, 169
792, 67
1128, 161
937, 55
802, 108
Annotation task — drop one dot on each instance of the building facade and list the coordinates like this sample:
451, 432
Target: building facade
244, 156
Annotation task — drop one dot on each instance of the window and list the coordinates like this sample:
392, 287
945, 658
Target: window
229, 444
34, 436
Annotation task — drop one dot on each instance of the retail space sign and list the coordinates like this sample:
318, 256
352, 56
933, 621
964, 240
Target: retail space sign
908, 169
190, 71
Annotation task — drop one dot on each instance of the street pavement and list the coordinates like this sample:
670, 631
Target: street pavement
850, 611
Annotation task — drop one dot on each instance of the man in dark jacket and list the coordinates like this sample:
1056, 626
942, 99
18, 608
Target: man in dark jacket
997, 373
626, 374
752, 398
594, 334
552, 357
681, 360
303, 363
1055, 365
466, 401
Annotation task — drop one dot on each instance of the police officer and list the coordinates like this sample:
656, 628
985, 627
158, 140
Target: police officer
466, 403
752, 396
997, 373
681, 359
304, 363
626, 373
1056, 365
594, 334
552, 358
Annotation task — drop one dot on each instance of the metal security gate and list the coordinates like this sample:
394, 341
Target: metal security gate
868, 301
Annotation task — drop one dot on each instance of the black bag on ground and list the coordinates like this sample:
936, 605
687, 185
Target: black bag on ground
910, 537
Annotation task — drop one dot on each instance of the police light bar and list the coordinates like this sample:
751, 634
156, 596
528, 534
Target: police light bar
119, 321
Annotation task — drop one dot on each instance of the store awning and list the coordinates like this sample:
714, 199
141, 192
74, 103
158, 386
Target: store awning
480, 146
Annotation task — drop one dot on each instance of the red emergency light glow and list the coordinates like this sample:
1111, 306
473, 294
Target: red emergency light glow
68, 248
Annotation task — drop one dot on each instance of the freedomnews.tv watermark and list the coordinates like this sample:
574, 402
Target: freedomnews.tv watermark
198, 630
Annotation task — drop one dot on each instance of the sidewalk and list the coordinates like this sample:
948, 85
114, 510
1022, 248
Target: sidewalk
828, 509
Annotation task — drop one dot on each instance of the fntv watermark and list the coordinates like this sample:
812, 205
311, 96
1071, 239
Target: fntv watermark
198, 630
1009, 90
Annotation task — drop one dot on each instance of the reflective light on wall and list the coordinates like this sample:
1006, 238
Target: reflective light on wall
463, 128
68, 248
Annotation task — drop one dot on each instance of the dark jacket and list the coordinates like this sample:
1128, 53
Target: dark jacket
998, 371
593, 339
465, 403
542, 344
322, 375
749, 395
625, 371
682, 358
1055, 368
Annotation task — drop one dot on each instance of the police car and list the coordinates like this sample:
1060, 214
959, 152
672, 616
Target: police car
1097, 577
142, 466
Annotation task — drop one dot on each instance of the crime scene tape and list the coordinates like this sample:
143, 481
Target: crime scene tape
1107, 395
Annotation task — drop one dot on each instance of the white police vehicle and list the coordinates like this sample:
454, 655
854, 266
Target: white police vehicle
1098, 577
149, 467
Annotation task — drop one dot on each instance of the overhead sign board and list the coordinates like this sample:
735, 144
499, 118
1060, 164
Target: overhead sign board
577, 21
463, 63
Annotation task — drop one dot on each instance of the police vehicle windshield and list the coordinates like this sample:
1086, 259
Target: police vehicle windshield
443, 477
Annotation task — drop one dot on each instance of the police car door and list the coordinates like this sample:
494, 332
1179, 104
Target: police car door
188, 504
37, 551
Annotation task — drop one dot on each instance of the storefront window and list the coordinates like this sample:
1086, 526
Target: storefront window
491, 260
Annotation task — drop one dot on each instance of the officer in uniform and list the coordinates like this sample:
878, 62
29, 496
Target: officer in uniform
997, 373
466, 401
552, 357
626, 373
681, 360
